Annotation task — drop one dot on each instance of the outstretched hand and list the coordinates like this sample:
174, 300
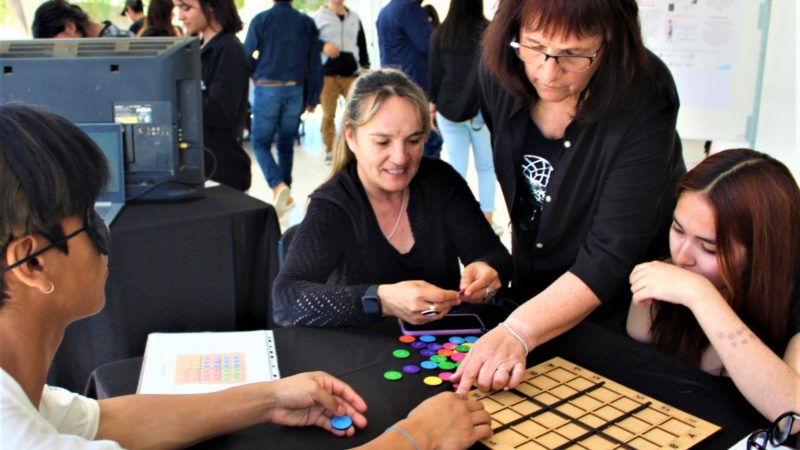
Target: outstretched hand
496, 361
312, 399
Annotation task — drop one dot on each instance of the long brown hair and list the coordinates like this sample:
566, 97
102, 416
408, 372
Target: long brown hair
757, 204
623, 56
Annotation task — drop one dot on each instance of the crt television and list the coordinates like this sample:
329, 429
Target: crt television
152, 87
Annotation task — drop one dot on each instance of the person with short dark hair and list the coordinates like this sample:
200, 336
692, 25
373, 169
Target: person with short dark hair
53, 271
224, 69
582, 118
134, 11
728, 300
61, 19
283, 46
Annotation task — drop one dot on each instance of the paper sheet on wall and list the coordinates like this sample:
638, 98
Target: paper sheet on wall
190, 363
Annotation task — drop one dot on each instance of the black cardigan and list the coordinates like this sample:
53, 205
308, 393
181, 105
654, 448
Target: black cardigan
339, 248
610, 198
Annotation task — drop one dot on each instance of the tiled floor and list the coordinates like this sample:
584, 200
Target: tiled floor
310, 171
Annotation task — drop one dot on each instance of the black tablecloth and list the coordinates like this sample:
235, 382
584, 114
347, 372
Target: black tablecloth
360, 357
200, 265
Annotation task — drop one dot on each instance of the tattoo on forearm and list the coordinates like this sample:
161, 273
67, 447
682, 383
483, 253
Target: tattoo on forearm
736, 338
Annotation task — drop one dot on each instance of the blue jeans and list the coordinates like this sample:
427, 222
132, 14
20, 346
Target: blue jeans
458, 136
276, 109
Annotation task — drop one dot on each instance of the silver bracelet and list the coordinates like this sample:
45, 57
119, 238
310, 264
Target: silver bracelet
408, 436
516, 336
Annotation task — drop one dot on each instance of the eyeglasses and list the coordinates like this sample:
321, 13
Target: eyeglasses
93, 225
776, 434
570, 63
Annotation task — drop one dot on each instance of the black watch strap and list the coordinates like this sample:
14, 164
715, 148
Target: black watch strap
371, 304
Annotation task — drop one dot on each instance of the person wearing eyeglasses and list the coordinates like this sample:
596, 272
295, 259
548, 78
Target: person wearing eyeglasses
53, 271
728, 300
582, 119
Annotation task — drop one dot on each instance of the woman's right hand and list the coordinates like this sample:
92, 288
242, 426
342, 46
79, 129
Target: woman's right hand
408, 299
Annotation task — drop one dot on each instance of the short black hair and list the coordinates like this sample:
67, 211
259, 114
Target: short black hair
50, 169
50, 17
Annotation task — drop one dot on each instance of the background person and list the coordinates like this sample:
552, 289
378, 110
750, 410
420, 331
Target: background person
342, 37
384, 236
728, 300
158, 22
60, 19
134, 11
288, 63
582, 118
453, 65
224, 69
53, 270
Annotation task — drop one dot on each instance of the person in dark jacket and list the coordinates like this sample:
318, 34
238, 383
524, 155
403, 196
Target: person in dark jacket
225, 69
582, 118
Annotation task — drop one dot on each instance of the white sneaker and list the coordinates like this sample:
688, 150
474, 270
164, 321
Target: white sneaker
281, 201
498, 230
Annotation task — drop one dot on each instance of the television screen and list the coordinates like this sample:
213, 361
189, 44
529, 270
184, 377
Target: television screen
152, 87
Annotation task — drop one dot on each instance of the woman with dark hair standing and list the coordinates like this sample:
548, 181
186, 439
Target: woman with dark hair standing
453, 64
728, 300
158, 22
225, 72
582, 118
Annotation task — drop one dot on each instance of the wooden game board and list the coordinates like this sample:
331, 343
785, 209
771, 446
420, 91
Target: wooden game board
560, 405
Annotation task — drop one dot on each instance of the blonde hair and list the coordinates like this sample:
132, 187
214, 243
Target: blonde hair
378, 85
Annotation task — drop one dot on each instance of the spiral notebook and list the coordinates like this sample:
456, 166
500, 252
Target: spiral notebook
193, 363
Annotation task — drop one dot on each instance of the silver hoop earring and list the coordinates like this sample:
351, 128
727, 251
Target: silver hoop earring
50, 289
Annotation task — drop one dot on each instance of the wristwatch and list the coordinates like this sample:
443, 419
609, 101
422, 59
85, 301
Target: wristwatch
371, 304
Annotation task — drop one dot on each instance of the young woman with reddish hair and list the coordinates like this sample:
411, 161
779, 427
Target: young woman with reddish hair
728, 299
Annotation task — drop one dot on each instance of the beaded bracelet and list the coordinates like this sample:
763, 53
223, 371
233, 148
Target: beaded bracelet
517, 336
408, 436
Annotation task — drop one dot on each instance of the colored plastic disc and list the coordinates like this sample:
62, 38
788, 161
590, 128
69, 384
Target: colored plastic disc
447, 365
438, 358
445, 376
418, 345
432, 381
427, 352
401, 353
434, 346
407, 339
341, 422
463, 348
411, 368
457, 340
430, 365
444, 352
458, 356
392, 375
449, 345
427, 338
471, 339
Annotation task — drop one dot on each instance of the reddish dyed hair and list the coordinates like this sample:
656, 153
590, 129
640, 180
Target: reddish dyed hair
622, 59
757, 204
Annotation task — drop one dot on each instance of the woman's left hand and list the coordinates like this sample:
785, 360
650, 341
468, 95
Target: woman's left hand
657, 280
479, 282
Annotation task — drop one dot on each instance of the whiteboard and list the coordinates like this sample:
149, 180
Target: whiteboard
715, 51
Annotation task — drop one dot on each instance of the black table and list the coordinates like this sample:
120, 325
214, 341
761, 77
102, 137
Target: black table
199, 265
360, 357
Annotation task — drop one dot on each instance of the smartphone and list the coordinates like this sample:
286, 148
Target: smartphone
451, 324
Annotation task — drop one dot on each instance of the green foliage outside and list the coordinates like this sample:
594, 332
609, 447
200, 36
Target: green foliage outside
308, 6
5, 12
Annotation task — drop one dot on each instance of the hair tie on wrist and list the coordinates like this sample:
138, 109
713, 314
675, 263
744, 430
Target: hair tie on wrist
407, 436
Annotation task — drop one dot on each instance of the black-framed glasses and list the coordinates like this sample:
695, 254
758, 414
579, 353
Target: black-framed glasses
570, 63
93, 225
777, 434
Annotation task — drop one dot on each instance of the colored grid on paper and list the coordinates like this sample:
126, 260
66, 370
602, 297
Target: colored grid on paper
562, 406
211, 368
